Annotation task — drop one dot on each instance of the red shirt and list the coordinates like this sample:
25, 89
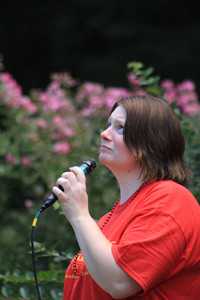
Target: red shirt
156, 240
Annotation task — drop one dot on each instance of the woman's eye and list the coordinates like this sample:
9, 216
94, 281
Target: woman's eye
121, 128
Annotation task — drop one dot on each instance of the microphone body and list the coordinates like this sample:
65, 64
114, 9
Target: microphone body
87, 167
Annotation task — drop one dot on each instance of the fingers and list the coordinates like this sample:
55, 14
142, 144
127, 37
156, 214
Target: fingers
62, 185
63, 182
58, 193
68, 181
76, 174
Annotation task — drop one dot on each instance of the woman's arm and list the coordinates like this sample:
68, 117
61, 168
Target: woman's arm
96, 249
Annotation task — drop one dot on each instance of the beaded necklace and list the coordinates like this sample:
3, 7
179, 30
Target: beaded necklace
108, 218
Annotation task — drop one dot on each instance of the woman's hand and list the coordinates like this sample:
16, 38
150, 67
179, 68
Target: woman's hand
74, 199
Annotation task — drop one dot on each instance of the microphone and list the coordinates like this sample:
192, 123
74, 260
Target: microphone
87, 167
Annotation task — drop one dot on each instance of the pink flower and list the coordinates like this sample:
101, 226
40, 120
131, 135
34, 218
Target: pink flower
110, 102
132, 78
183, 94
28, 105
11, 92
170, 96
25, 161
28, 203
167, 83
57, 120
114, 94
96, 101
93, 88
192, 109
55, 85
88, 90
55, 99
43, 97
170, 91
9, 158
187, 98
186, 85
41, 123
64, 78
117, 93
68, 132
87, 112
62, 147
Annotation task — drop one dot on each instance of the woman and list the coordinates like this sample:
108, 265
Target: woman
148, 246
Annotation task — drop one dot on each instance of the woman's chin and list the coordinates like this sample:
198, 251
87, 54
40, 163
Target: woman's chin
104, 160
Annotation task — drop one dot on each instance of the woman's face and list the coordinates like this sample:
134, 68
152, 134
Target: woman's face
113, 151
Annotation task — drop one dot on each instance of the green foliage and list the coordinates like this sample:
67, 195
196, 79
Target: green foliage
191, 129
41, 136
145, 76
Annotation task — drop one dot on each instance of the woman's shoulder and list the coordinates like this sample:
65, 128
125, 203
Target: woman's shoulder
170, 187
166, 194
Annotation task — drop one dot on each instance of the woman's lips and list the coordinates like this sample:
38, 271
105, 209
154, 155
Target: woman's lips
104, 147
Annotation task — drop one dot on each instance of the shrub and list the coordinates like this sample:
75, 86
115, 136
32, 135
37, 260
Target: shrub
44, 133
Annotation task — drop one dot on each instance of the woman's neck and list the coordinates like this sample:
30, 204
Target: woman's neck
128, 184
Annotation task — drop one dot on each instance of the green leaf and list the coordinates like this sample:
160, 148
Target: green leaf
135, 66
23, 291
148, 71
5, 291
29, 275
54, 294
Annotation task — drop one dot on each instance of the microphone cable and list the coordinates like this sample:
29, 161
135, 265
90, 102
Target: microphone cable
88, 166
33, 253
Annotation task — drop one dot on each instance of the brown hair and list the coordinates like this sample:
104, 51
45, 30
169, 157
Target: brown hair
153, 134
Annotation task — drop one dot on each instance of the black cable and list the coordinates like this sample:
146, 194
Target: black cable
33, 259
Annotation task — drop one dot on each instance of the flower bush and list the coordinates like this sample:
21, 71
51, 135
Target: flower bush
44, 133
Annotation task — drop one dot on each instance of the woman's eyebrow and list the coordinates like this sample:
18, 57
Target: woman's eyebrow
117, 119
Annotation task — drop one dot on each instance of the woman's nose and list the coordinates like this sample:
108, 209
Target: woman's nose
105, 135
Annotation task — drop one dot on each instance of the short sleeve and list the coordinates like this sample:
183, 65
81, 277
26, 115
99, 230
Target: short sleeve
151, 248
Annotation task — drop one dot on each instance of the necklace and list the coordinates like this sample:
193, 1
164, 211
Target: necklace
108, 218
